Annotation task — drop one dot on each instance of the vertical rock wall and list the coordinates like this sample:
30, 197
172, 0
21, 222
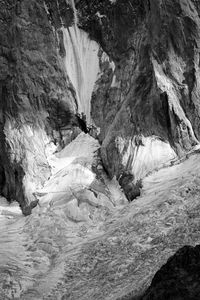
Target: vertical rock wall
34, 93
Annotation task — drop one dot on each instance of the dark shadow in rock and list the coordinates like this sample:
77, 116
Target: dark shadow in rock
28, 208
81, 121
132, 190
179, 278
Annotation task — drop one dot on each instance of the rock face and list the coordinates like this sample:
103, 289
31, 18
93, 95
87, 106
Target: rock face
152, 92
145, 99
35, 98
178, 278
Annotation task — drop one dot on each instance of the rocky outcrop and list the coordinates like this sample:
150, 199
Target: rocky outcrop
178, 278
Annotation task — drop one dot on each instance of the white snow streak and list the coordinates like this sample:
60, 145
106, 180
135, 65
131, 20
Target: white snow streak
82, 65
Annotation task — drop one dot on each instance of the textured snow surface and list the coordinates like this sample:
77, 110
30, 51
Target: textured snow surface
72, 204
43, 254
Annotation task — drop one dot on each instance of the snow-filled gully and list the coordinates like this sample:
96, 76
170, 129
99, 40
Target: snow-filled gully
82, 66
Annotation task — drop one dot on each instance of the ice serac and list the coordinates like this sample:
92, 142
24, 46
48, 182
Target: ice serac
78, 184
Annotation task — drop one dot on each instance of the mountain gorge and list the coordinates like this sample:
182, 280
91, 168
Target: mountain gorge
99, 146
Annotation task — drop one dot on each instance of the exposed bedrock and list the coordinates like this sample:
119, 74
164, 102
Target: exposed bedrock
138, 61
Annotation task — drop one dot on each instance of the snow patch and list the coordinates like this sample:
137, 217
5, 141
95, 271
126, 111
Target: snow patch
99, 15
115, 83
46, 8
106, 58
152, 153
9, 210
